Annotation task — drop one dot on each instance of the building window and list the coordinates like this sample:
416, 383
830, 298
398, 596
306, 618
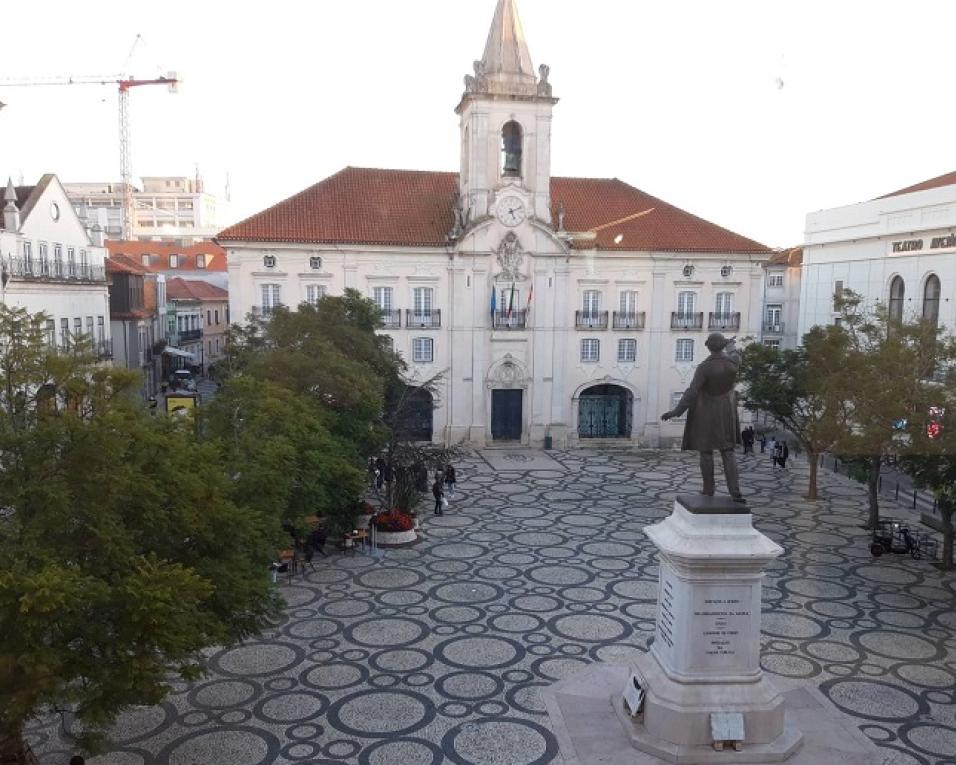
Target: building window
897, 293
100, 329
200, 261
684, 352
675, 401
28, 255
314, 293
774, 280
837, 293
65, 333
590, 351
931, 293
89, 328
216, 313
383, 298
688, 271
627, 351
271, 298
315, 263
423, 350
51, 332
774, 313
174, 261
58, 260
726, 271
217, 345
724, 304
511, 149
269, 261
77, 327
422, 299
775, 344
591, 305
629, 302
686, 303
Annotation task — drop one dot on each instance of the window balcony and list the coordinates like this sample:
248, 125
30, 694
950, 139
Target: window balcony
190, 335
517, 320
44, 270
427, 319
773, 327
687, 320
722, 321
590, 319
632, 320
391, 318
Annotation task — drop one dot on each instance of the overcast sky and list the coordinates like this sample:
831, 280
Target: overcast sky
749, 114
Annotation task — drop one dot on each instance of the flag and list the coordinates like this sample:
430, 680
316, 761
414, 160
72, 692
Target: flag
511, 300
494, 301
530, 294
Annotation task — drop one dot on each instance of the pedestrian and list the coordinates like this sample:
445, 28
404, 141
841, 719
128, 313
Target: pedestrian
784, 455
370, 467
747, 437
380, 472
438, 490
763, 443
450, 480
776, 452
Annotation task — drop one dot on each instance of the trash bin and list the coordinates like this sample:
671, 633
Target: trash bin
548, 443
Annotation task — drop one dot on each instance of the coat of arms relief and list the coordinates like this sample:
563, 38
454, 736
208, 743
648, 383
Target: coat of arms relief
511, 258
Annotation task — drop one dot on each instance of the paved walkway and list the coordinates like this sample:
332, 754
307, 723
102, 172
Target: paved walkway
436, 653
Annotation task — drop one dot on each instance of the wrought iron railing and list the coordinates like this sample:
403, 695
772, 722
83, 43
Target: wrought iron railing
391, 318
510, 319
37, 268
773, 327
628, 320
426, 319
590, 319
190, 335
687, 320
721, 321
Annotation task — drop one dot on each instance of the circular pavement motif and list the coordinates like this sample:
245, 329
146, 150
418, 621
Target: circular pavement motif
497, 741
233, 746
379, 632
381, 713
468, 686
590, 628
222, 694
479, 652
873, 699
257, 659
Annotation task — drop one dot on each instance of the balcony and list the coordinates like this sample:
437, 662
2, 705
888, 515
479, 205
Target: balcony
427, 319
590, 319
625, 320
687, 320
190, 335
46, 270
391, 318
517, 320
722, 321
773, 327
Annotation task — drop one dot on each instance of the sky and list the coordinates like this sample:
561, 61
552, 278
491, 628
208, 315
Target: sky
748, 114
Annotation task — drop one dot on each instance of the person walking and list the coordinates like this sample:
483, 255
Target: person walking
784, 455
438, 490
380, 472
763, 443
450, 480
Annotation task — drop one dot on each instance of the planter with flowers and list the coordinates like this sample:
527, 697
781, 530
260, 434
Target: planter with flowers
394, 528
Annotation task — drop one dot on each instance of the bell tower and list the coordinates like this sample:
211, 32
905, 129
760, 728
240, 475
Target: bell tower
505, 115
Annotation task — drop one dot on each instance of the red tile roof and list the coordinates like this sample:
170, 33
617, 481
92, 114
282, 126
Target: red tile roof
948, 179
178, 288
789, 257
159, 253
415, 209
124, 265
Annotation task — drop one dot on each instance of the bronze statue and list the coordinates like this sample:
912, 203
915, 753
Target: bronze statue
712, 422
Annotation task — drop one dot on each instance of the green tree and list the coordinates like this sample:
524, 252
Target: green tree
284, 460
121, 556
888, 368
803, 390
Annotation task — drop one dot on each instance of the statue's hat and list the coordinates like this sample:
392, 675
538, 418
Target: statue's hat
716, 341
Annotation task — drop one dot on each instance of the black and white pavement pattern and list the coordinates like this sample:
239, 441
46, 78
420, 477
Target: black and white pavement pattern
436, 653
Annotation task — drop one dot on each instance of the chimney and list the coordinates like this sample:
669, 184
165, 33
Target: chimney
11, 215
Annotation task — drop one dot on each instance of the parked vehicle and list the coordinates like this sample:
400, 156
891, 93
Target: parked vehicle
893, 536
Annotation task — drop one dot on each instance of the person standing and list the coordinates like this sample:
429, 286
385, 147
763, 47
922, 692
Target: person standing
763, 443
450, 480
784, 455
438, 490
380, 472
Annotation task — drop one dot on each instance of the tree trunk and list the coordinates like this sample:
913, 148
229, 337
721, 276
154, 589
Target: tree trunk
947, 519
813, 460
872, 491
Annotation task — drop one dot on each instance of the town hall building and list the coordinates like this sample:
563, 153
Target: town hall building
556, 309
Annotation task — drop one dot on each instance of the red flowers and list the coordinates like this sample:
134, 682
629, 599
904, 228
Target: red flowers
394, 521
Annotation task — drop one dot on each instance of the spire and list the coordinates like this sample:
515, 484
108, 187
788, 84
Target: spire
11, 214
506, 51
10, 195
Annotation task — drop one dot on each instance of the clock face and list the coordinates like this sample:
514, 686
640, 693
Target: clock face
511, 211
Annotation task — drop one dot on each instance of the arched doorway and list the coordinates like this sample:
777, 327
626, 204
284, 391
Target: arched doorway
416, 416
605, 411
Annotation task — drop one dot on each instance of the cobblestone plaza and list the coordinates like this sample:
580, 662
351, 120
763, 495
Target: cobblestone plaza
437, 653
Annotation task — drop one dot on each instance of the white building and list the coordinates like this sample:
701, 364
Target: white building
168, 208
899, 249
561, 308
51, 263
781, 312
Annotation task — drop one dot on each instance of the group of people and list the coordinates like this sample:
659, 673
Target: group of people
779, 450
381, 472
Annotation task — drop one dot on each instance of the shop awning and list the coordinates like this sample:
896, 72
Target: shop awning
179, 352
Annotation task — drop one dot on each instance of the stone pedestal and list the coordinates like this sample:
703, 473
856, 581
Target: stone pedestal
705, 658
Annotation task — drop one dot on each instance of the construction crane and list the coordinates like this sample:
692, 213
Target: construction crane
125, 83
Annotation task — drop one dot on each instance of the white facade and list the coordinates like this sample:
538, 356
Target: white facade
612, 335
867, 246
168, 207
52, 264
781, 298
